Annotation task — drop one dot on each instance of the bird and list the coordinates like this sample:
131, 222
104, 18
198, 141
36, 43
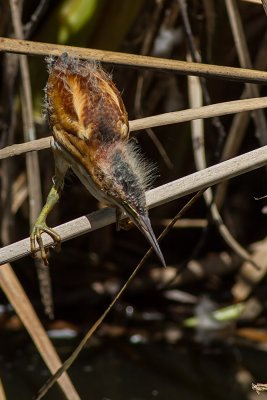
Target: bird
90, 129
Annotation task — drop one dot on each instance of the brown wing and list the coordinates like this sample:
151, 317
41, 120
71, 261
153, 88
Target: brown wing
84, 107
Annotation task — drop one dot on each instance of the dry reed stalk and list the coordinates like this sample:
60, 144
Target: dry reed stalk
2, 391
176, 117
155, 197
32, 160
195, 95
134, 60
245, 62
19, 300
264, 3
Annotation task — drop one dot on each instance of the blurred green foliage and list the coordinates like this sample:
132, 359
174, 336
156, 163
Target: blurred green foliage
98, 24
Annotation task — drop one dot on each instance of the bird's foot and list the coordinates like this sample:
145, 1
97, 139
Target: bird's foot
124, 224
36, 236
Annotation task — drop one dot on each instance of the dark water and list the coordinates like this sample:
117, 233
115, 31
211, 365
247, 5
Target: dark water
118, 370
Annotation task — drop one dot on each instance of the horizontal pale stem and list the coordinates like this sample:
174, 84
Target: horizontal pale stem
160, 195
134, 60
230, 107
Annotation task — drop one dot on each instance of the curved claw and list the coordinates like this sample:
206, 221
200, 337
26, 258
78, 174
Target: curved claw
36, 236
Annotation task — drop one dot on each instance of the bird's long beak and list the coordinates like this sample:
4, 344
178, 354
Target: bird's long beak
143, 224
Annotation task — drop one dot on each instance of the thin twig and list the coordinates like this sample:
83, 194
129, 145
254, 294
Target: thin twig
147, 45
9, 75
209, 9
149, 131
185, 223
231, 147
175, 117
196, 57
158, 196
2, 391
245, 62
264, 3
157, 143
67, 364
133, 60
35, 17
32, 161
253, 1
16, 149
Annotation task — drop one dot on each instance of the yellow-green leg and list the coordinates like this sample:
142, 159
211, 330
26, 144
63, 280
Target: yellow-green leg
40, 225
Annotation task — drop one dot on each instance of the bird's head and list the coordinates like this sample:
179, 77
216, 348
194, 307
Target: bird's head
124, 176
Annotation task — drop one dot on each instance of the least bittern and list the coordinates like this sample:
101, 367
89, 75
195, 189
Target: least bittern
91, 136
